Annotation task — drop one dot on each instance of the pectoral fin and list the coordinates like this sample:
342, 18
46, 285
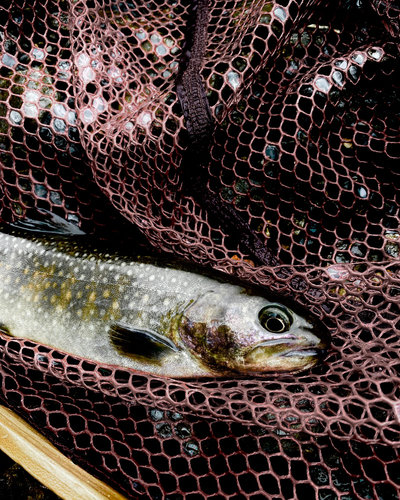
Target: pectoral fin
137, 343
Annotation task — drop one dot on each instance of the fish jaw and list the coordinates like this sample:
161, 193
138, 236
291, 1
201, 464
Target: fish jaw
223, 329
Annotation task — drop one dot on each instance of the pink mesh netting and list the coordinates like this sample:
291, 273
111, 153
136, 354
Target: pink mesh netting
304, 146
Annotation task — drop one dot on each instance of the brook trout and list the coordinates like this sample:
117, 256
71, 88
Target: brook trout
150, 318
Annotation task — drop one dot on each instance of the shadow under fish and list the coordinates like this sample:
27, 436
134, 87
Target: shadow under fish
146, 314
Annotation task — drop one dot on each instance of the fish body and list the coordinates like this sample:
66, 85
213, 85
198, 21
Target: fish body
147, 317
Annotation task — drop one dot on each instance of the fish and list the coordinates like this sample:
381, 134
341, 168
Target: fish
141, 313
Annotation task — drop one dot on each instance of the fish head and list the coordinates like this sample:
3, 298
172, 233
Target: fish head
233, 331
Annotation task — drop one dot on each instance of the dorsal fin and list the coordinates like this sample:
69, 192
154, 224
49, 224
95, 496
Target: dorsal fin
138, 343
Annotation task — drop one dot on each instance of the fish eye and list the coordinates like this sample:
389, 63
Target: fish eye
275, 319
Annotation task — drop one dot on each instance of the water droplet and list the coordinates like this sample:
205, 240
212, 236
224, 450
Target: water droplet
8, 60
40, 191
361, 191
129, 126
191, 448
280, 13
72, 117
55, 198
337, 77
115, 54
272, 152
59, 110
99, 104
88, 116
156, 414
59, 125
174, 416
375, 53
35, 75
15, 117
323, 84
342, 258
234, 79
88, 75
114, 72
144, 118
337, 272
45, 102
341, 63
358, 250
38, 54
392, 235
183, 431
73, 218
155, 38
141, 35
358, 58
83, 60
31, 110
161, 50
32, 96
392, 249
65, 65
164, 430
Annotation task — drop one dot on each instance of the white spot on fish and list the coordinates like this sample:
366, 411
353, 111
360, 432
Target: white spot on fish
38, 54
15, 117
144, 118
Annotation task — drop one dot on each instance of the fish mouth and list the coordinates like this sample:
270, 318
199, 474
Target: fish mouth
291, 349
307, 352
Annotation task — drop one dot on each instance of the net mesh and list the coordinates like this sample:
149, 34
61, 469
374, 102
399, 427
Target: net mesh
305, 147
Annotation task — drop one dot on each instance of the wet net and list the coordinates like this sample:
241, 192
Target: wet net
258, 138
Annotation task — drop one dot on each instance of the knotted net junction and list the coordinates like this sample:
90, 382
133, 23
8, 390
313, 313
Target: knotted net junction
303, 98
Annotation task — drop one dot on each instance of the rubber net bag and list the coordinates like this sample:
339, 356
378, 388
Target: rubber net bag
298, 110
